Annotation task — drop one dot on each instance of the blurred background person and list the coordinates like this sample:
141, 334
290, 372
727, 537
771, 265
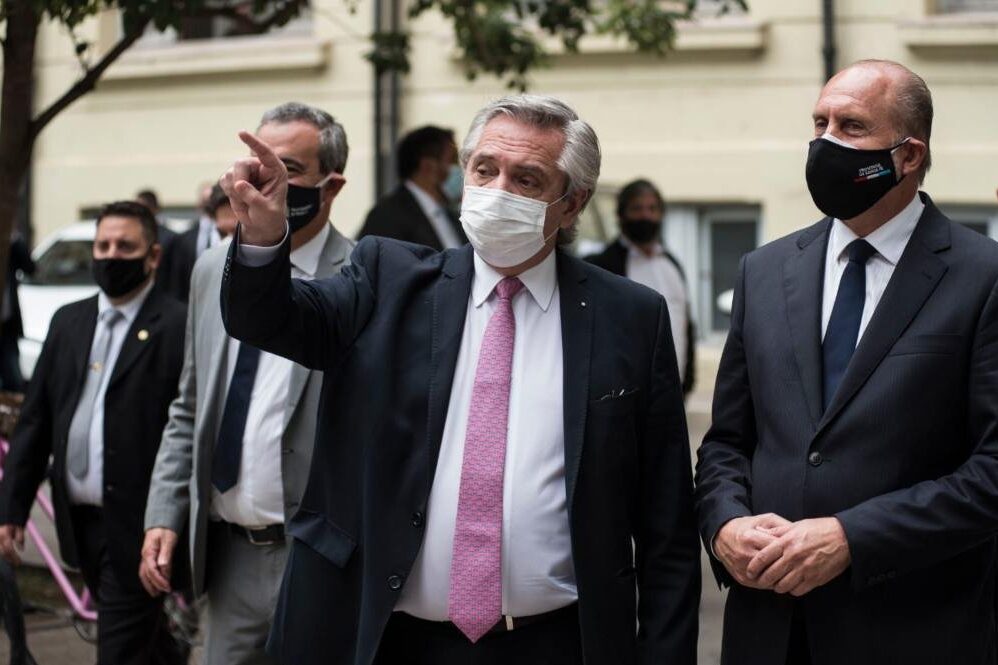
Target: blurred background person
12, 327
167, 239
191, 244
96, 405
237, 449
421, 208
639, 254
221, 210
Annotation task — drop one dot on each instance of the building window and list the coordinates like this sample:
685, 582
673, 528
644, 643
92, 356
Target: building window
239, 23
965, 6
983, 219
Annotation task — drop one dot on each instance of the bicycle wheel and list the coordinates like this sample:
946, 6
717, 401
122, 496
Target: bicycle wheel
13, 617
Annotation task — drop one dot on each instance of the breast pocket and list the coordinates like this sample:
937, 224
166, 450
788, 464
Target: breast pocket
940, 344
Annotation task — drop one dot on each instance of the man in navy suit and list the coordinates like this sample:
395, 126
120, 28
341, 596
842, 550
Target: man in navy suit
501, 468
848, 487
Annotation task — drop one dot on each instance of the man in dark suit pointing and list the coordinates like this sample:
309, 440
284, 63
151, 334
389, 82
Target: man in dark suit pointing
848, 487
501, 469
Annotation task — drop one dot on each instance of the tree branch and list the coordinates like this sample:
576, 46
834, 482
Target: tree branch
88, 82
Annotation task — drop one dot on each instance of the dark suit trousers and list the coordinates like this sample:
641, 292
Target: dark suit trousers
131, 625
798, 651
411, 641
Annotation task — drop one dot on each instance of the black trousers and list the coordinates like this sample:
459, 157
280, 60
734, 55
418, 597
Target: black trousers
411, 641
131, 625
798, 651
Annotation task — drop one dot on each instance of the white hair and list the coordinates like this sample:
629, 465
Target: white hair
579, 159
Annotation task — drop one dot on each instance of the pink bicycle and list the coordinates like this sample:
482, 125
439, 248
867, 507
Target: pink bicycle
83, 614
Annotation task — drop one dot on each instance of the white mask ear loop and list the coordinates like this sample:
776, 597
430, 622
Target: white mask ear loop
548, 206
325, 180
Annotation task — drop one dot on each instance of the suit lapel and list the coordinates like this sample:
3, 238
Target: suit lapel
334, 254
803, 281
914, 279
139, 336
576, 343
81, 345
449, 309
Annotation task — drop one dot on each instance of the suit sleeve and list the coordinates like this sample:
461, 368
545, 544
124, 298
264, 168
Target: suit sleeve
932, 521
31, 445
169, 499
667, 553
724, 464
309, 322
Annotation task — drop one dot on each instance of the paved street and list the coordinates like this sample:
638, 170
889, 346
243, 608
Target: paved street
53, 640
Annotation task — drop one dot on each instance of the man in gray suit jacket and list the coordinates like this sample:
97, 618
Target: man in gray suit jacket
235, 454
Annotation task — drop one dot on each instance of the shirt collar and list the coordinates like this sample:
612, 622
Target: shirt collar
425, 201
889, 240
540, 281
306, 257
130, 309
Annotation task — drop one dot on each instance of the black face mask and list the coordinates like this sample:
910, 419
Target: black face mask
304, 203
116, 277
640, 231
846, 182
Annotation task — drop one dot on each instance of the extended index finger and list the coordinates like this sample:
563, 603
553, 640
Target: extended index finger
263, 152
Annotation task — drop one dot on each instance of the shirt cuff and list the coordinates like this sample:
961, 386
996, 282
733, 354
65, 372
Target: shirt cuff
255, 256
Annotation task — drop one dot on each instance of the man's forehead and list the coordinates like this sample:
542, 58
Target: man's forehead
295, 139
857, 88
118, 225
507, 137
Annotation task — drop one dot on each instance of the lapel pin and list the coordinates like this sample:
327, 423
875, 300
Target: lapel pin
143, 335
583, 303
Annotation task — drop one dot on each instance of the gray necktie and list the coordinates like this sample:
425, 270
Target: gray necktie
78, 453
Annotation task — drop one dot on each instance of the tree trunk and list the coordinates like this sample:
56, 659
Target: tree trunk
15, 117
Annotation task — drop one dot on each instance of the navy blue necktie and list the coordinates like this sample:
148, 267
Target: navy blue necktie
229, 447
843, 326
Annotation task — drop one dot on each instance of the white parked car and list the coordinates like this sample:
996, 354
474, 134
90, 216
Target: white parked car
62, 275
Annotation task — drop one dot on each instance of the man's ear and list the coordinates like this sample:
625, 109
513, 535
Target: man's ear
576, 201
913, 156
332, 188
155, 255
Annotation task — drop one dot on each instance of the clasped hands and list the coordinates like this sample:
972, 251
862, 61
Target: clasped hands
771, 553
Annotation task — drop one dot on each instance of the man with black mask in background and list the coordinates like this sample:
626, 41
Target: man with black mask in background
639, 254
97, 404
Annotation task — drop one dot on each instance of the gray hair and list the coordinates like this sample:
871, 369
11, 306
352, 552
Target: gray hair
333, 146
579, 159
912, 106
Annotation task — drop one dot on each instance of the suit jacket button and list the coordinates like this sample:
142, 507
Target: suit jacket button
395, 582
417, 519
815, 459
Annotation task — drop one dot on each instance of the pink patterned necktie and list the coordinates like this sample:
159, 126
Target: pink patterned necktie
475, 599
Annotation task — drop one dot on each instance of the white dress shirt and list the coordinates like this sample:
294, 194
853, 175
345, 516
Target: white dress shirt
537, 571
889, 240
89, 490
437, 214
660, 274
257, 499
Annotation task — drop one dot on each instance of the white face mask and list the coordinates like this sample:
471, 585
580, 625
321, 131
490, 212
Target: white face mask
505, 229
